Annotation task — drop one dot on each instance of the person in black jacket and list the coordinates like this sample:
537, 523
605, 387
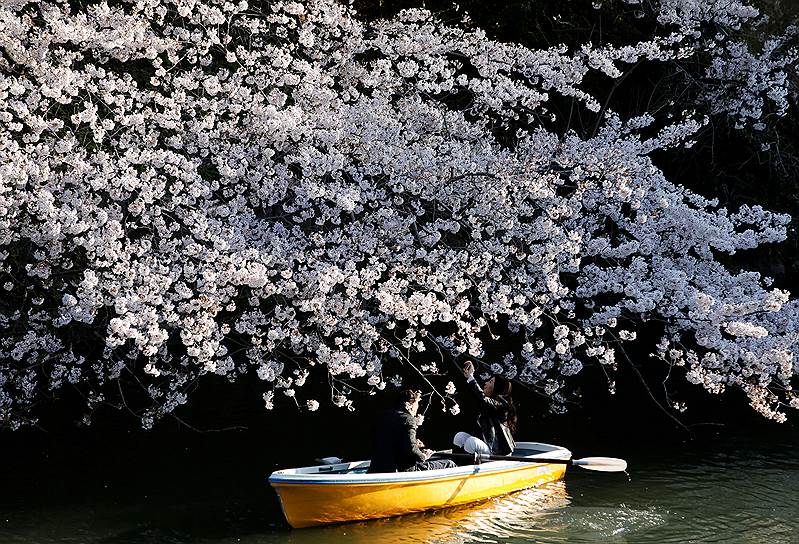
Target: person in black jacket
496, 420
396, 448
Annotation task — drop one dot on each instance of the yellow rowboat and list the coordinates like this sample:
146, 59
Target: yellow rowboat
345, 492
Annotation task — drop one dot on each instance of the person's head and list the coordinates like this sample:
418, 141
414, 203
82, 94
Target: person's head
499, 386
408, 400
488, 386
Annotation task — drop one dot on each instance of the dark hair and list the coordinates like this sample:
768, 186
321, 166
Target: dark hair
502, 386
503, 389
406, 396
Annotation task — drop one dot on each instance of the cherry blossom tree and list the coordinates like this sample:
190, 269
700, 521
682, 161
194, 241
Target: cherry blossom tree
192, 188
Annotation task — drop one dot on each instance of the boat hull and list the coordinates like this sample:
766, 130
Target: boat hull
307, 503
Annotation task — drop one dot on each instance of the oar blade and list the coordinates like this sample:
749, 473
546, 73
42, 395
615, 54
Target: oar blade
601, 464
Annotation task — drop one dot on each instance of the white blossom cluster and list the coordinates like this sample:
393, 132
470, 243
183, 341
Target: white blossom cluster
750, 85
193, 188
748, 77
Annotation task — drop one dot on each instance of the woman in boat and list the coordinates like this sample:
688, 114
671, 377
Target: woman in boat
496, 420
396, 447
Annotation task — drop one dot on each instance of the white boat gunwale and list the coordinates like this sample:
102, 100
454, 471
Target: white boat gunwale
326, 474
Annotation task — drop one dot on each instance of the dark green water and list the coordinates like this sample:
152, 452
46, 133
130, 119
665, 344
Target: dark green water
726, 486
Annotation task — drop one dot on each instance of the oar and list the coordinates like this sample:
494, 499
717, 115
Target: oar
600, 464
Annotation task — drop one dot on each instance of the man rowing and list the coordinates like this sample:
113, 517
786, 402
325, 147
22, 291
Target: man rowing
396, 448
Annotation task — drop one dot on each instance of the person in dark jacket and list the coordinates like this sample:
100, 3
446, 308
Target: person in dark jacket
496, 420
396, 447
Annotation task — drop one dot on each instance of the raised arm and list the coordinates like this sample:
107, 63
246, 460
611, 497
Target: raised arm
487, 404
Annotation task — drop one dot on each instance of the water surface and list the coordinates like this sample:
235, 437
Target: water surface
738, 487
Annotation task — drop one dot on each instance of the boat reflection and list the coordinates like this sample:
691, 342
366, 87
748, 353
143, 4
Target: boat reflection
523, 515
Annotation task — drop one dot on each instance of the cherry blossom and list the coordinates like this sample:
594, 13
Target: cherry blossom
193, 188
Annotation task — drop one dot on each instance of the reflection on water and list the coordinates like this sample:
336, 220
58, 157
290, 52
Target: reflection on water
519, 515
615, 524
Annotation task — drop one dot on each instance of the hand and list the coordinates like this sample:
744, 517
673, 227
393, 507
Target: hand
468, 369
419, 444
427, 454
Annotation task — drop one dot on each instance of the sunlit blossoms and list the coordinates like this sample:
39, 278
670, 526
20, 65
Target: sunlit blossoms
276, 189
